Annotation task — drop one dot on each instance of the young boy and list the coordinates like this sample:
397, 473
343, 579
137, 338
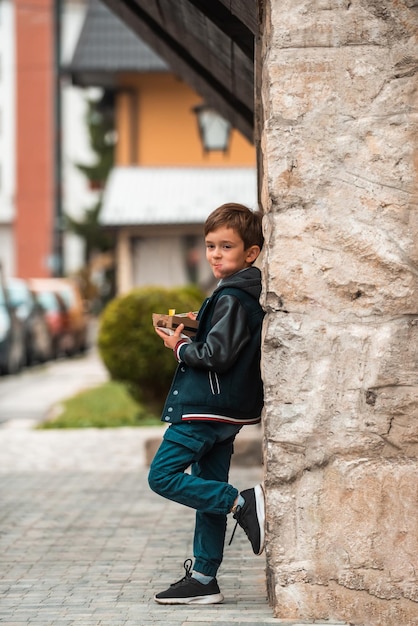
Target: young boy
217, 388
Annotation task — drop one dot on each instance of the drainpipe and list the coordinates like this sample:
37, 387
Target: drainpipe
58, 227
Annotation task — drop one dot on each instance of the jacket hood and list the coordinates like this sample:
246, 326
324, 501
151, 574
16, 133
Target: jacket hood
248, 280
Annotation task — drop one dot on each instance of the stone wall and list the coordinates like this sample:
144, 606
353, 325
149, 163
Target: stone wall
338, 130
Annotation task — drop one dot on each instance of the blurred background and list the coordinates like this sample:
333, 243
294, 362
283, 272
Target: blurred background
109, 166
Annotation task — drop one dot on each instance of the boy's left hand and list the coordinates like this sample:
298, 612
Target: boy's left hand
170, 341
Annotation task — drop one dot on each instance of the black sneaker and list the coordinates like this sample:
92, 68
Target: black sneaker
250, 516
188, 590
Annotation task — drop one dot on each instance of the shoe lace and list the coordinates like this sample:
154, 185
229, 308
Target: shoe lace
188, 568
236, 517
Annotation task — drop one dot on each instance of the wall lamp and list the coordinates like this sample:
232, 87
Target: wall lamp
214, 130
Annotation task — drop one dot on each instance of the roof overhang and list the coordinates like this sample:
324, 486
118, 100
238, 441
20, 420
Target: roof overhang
209, 44
107, 48
157, 196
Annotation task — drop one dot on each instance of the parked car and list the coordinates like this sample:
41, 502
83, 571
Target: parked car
58, 319
38, 340
12, 342
76, 307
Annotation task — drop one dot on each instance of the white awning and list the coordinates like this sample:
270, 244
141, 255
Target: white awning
181, 195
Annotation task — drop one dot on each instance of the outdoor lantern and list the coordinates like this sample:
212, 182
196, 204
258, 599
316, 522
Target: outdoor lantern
214, 130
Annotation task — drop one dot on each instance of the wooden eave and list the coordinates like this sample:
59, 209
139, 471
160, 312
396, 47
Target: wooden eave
208, 43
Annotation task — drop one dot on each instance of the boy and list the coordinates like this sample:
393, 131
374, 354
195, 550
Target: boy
217, 388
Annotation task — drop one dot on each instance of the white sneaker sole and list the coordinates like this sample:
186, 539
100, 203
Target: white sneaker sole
261, 513
214, 598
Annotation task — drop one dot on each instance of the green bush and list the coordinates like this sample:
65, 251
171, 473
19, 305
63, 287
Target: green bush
129, 346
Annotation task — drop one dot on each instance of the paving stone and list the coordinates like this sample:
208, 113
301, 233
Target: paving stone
92, 546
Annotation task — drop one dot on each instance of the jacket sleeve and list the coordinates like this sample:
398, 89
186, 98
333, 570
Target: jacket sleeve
225, 340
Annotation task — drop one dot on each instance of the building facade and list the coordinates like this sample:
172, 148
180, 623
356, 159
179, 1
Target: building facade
7, 135
38, 184
35, 138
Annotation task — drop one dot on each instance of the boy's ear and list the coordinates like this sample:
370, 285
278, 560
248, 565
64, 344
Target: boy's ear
252, 253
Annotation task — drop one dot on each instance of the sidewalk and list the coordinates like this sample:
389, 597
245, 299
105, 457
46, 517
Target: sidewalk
84, 541
91, 545
46, 385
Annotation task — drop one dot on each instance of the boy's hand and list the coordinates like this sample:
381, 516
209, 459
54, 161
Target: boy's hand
170, 341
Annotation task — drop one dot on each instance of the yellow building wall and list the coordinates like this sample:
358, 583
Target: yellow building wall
157, 126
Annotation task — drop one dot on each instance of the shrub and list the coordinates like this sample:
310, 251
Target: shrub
130, 348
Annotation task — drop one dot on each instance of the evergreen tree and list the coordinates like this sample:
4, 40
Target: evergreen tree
100, 124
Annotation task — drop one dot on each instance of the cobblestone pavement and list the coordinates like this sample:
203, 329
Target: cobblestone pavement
84, 541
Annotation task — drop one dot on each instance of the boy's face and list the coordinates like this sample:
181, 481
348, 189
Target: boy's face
225, 252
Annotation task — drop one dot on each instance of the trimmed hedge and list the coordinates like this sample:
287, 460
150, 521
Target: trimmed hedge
131, 349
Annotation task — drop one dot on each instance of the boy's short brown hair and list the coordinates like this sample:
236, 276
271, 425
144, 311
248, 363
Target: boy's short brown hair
245, 222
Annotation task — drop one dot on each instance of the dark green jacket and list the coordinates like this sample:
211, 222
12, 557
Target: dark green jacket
218, 377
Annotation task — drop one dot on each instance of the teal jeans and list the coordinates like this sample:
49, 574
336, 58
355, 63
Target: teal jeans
207, 447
